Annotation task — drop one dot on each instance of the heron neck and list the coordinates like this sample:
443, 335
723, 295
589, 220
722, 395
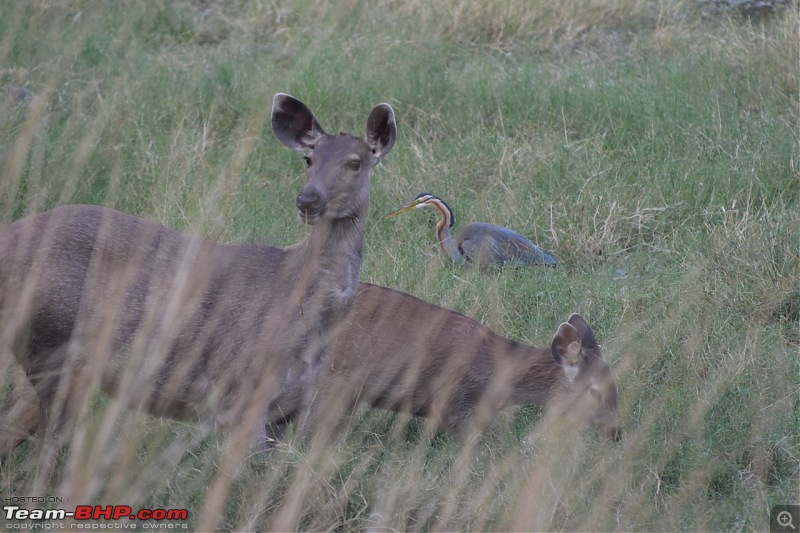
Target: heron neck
447, 242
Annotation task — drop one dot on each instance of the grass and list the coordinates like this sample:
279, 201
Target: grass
651, 147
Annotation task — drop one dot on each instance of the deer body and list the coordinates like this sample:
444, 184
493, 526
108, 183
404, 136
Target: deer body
180, 326
401, 353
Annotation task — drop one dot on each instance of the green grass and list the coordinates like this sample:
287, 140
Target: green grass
654, 150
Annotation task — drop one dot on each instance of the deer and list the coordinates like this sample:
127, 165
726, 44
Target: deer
178, 326
404, 354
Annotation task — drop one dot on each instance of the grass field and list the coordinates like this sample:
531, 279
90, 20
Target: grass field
652, 146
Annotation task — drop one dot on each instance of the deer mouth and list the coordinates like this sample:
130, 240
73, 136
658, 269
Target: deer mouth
310, 218
311, 205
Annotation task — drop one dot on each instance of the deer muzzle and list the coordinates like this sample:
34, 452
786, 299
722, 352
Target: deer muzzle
312, 204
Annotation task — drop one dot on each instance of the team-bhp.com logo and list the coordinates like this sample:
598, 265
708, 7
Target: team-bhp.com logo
88, 516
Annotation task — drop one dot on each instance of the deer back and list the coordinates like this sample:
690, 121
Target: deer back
401, 353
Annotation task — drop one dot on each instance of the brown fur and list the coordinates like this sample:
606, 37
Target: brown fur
179, 326
401, 353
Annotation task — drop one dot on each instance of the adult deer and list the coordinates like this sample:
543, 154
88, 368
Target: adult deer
401, 353
179, 326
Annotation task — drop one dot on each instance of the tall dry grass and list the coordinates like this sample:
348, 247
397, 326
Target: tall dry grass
651, 146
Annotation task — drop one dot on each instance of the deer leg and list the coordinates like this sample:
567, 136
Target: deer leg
281, 413
274, 432
60, 393
20, 417
277, 422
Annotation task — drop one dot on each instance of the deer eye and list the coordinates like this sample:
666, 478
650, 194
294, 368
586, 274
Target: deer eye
308, 161
353, 165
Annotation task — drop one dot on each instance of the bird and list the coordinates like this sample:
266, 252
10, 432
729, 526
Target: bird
480, 243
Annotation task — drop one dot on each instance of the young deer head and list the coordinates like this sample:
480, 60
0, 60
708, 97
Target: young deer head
590, 393
179, 326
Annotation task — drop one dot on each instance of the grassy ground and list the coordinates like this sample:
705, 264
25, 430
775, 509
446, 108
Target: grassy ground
652, 146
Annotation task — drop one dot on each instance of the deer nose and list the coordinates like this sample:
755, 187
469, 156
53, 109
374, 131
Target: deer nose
310, 202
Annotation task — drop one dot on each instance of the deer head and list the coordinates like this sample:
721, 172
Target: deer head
591, 393
338, 165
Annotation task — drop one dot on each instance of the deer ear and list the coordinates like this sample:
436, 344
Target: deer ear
595, 392
294, 124
584, 333
381, 131
566, 346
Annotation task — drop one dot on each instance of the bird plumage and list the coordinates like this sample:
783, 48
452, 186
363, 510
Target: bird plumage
480, 243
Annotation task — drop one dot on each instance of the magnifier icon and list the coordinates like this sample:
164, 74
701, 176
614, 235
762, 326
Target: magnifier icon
784, 519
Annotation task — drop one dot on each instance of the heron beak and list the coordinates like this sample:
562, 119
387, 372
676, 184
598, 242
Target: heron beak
410, 206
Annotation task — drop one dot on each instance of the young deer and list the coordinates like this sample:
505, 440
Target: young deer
401, 353
179, 326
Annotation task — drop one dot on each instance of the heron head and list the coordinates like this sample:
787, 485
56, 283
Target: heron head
427, 199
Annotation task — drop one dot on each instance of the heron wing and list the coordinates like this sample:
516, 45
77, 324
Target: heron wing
488, 243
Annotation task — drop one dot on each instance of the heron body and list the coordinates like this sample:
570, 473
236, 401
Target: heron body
480, 243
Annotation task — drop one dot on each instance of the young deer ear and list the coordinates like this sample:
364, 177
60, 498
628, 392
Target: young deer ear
381, 131
596, 393
566, 349
294, 124
584, 333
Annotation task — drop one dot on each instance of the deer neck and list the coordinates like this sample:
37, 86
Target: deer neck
331, 255
540, 378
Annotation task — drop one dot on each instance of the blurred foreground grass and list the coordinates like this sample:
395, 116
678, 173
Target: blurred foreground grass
653, 146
